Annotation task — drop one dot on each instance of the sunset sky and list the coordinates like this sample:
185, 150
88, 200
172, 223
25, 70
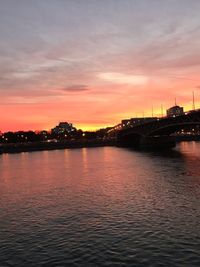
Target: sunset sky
95, 62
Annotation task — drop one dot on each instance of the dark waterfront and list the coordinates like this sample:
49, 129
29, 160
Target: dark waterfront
103, 206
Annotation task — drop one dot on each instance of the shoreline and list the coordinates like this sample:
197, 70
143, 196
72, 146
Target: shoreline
42, 146
12, 148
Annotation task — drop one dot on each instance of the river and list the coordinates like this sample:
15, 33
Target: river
103, 206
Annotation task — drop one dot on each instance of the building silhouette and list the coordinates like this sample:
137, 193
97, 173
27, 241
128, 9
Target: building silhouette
175, 111
63, 127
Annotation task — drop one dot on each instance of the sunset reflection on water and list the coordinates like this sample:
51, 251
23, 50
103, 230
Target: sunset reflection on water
100, 205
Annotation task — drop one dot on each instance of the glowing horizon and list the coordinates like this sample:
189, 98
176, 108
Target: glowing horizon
94, 63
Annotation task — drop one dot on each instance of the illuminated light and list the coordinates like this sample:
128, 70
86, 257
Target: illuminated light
83, 134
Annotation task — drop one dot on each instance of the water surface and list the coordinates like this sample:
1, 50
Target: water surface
100, 207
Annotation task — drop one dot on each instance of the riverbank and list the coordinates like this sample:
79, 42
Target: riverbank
182, 138
55, 145
40, 146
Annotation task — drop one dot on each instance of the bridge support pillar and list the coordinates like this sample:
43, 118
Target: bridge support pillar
157, 142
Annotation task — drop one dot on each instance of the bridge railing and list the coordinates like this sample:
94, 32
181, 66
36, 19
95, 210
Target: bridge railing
131, 124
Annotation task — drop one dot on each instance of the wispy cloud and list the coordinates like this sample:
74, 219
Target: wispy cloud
96, 59
76, 88
120, 78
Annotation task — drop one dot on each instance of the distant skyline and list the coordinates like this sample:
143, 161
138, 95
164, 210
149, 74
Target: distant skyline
95, 62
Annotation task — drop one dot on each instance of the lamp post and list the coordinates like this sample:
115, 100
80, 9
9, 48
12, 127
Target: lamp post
193, 101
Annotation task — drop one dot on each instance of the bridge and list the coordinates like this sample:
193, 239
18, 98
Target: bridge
158, 131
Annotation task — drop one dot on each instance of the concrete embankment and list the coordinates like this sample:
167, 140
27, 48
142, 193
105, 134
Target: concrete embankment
182, 138
40, 146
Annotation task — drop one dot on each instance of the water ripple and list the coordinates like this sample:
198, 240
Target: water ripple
100, 207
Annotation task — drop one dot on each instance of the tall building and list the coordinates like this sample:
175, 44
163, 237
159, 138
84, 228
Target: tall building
175, 111
63, 127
